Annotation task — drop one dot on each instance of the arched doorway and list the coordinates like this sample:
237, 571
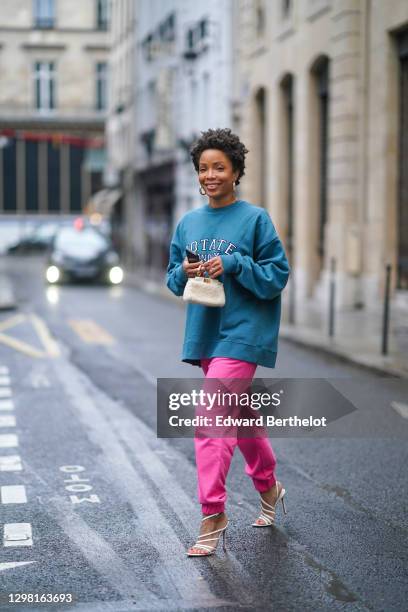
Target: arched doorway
286, 173
320, 137
402, 206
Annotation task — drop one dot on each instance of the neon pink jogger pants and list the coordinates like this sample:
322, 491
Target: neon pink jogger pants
213, 455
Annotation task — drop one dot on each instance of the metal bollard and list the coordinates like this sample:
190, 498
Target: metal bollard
332, 288
386, 311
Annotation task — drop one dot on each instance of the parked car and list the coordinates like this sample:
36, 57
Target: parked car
39, 239
80, 252
12, 231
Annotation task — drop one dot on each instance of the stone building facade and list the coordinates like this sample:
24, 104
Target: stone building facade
53, 97
181, 74
121, 123
321, 100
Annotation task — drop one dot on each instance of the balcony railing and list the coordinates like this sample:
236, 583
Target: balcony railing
27, 114
44, 23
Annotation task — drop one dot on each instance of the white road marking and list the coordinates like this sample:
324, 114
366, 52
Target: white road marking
6, 404
12, 322
8, 440
401, 409
7, 420
48, 342
12, 564
21, 346
4, 381
39, 379
98, 552
4, 370
135, 434
17, 534
10, 463
5, 392
13, 494
174, 564
45, 336
89, 331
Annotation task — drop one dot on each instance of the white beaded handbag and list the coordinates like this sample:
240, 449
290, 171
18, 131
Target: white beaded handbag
204, 290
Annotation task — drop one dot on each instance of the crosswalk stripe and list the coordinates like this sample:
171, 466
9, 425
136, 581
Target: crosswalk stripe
13, 494
7, 420
10, 463
8, 440
17, 534
4, 370
4, 381
5, 392
6, 404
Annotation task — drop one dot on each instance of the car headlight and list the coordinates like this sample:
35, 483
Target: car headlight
52, 274
116, 275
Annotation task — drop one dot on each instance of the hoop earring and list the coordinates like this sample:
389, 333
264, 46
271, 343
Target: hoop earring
205, 193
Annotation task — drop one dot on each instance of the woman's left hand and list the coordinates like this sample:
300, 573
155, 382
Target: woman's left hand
214, 267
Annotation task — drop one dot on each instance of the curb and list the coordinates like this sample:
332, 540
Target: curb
366, 362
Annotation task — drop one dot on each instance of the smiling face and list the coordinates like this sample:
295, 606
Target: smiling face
216, 174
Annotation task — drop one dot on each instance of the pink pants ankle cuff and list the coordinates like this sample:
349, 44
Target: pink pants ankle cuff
212, 508
263, 485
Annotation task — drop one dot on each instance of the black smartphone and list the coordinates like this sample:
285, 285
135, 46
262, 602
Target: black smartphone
192, 257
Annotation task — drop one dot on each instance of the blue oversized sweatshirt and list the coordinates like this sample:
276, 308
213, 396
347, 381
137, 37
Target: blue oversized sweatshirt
255, 272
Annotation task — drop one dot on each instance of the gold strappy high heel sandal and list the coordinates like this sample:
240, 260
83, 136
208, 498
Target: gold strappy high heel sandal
209, 550
268, 511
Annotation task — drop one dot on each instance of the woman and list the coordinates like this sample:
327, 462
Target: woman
238, 244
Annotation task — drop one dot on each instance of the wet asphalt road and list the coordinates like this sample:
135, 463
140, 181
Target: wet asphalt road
105, 510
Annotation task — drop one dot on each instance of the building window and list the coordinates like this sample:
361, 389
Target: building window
44, 14
102, 16
197, 39
167, 29
44, 80
101, 85
31, 175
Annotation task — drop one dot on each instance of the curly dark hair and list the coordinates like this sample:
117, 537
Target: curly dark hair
223, 140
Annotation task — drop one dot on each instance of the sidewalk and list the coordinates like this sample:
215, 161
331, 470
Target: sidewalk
357, 333
357, 337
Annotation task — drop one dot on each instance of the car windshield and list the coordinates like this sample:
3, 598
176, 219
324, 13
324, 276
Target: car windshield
80, 242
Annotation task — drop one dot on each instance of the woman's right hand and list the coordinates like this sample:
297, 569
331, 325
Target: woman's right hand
193, 269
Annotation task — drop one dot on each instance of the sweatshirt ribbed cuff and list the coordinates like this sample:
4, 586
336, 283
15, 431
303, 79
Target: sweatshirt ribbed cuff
180, 275
229, 263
